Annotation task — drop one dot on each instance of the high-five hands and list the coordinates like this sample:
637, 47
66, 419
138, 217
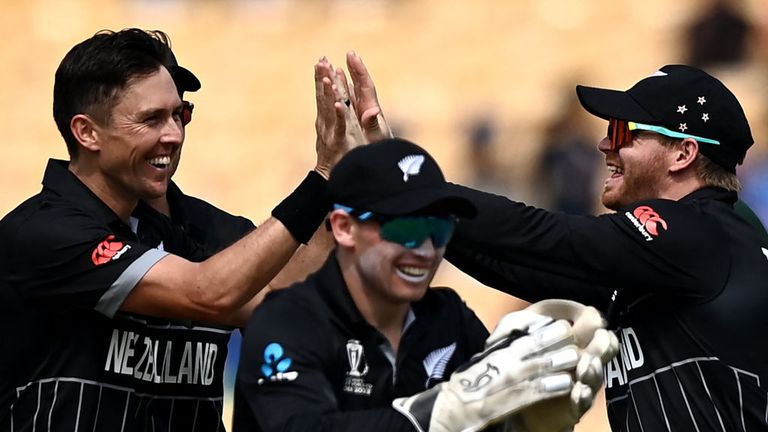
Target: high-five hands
540, 371
365, 102
336, 124
347, 116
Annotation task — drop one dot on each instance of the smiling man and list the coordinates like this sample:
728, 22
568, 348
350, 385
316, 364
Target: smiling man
70, 261
682, 275
365, 344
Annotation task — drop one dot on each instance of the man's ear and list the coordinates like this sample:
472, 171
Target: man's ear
86, 132
684, 153
342, 225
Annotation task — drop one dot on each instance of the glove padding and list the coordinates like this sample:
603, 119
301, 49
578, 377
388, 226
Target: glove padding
530, 360
596, 345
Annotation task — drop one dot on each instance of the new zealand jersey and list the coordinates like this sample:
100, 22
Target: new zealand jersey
67, 262
179, 401
684, 282
310, 361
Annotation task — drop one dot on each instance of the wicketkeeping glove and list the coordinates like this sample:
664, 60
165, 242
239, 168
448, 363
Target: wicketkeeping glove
531, 359
596, 345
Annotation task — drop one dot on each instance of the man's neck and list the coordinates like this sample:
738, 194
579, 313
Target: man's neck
114, 199
682, 185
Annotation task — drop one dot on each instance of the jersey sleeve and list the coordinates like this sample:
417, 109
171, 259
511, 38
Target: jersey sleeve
654, 246
282, 383
74, 262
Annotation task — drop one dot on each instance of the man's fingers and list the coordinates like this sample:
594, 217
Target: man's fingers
340, 126
361, 79
325, 104
340, 80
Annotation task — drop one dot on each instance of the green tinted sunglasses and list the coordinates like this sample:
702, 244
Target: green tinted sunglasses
410, 231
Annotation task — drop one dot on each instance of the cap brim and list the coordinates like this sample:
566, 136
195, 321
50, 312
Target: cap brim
612, 104
185, 80
442, 200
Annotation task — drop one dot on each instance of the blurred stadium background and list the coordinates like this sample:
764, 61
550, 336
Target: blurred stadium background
485, 85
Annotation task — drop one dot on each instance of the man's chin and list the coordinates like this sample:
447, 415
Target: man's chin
611, 201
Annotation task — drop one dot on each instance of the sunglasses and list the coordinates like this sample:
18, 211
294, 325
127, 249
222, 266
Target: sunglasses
410, 231
186, 112
620, 133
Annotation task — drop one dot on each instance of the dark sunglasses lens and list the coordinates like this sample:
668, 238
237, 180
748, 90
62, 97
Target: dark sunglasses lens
619, 133
412, 232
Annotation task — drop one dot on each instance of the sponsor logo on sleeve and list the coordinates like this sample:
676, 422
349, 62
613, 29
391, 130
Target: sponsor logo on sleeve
108, 250
647, 221
276, 364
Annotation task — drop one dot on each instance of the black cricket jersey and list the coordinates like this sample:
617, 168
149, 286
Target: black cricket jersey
684, 282
210, 230
310, 361
67, 262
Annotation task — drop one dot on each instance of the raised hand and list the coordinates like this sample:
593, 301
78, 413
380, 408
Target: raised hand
336, 125
365, 101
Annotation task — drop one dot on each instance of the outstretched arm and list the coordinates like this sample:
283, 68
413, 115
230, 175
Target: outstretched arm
222, 288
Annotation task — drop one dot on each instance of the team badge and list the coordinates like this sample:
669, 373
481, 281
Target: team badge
436, 362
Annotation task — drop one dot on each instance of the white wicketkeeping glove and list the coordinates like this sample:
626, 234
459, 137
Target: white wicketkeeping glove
596, 345
531, 359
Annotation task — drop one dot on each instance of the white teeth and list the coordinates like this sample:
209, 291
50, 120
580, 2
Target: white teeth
615, 170
413, 271
413, 274
160, 161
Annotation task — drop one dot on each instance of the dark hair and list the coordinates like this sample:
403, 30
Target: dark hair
92, 74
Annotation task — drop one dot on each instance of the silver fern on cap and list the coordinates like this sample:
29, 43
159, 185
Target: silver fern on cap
410, 165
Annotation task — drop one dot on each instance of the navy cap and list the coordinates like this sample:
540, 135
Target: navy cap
394, 177
682, 99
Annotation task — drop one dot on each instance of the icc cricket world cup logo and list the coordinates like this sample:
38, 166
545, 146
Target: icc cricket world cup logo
355, 358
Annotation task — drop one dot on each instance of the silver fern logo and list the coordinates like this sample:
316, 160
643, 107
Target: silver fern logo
410, 165
436, 362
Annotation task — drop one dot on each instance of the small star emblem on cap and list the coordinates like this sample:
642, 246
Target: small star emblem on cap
682, 109
705, 117
702, 100
683, 127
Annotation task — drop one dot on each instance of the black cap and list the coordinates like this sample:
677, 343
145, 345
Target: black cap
682, 99
394, 177
184, 79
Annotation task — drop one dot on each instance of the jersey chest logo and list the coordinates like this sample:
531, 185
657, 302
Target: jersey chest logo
358, 368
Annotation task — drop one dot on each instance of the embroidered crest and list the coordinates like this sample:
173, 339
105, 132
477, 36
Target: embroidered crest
436, 362
410, 165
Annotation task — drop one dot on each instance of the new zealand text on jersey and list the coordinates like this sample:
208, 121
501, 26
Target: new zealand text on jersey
152, 360
630, 357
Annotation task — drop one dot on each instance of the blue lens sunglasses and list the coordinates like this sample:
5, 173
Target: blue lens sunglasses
409, 231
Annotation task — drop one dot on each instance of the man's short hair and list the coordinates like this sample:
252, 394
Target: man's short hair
711, 173
715, 175
93, 73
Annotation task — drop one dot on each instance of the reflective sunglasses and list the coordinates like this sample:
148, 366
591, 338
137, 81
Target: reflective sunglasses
186, 112
620, 133
410, 231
